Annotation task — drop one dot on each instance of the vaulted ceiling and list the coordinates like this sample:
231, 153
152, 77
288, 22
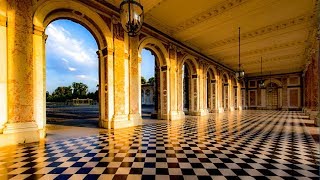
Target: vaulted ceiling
279, 31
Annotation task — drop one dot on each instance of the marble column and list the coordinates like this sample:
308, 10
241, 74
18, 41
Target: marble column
134, 80
105, 57
21, 126
39, 78
176, 112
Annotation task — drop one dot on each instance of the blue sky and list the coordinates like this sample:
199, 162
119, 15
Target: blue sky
71, 56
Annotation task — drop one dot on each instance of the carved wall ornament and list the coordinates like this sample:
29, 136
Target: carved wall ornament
118, 31
172, 46
115, 20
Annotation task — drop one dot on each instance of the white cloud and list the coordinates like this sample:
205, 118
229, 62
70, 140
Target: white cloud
63, 44
72, 69
81, 76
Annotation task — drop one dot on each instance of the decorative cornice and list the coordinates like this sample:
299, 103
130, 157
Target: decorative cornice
212, 12
263, 50
3, 21
265, 30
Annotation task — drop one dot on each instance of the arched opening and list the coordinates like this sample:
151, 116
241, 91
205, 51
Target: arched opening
49, 11
211, 90
72, 77
235, 93
189, 86
150, 97
272, 98
186, 88
159, 91
225, 92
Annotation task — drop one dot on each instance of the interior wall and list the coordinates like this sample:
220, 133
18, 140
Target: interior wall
287, 92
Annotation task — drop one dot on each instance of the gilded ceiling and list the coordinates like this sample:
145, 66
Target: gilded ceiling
279, 31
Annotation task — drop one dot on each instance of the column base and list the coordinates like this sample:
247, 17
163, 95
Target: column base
176, 115
20, 133
221, 110
240, 108
199, 113
231, 109
154, 115
104, 123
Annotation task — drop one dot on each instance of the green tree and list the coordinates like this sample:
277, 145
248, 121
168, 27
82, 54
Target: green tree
61, 94
151, 80
143, 80
80, 90
93, 95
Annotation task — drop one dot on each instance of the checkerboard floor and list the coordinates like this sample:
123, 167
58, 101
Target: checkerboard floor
236, 145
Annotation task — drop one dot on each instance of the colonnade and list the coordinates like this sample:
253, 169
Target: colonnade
212, 86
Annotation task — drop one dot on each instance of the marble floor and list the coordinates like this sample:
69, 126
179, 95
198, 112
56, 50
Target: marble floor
236, 145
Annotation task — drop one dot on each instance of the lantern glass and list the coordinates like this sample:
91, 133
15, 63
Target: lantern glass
240, 74
131, 16
261, 84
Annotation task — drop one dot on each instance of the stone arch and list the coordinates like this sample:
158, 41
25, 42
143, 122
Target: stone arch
213, 71
162, 102
192, 84
47, 11
226, 90
192, 63
276, 81
157, 47
273, 98
211, 90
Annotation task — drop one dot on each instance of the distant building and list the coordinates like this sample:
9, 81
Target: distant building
147, 94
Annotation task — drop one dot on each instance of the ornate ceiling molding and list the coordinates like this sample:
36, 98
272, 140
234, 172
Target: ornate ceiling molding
262, 50
214, 11
267, 29
274, 59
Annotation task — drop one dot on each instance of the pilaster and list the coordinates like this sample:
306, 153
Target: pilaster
39, 79
3, 73
134, 80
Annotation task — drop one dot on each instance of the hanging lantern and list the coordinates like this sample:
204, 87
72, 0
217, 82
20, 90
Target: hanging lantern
261, 82
239, 73
132, 16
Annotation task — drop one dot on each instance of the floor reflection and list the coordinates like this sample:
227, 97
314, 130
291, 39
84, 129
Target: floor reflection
247, 144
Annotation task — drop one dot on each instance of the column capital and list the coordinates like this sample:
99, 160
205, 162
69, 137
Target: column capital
105, 52
3, 21
37, 30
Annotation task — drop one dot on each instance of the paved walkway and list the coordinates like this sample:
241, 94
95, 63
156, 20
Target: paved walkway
246, 145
